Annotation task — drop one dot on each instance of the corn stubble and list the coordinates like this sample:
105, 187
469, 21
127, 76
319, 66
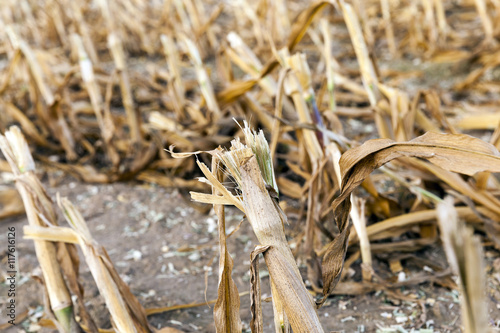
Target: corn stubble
251, 168
253, 174
60, 271
465, 256
40, 212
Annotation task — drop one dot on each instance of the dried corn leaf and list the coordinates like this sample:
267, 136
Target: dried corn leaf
228, 196
256, 324
227, 307
410, 219
455, 152
290, 188
156, 177
53, 234
457, 183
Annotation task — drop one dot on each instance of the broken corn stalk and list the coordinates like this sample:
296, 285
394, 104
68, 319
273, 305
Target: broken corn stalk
298, 85
203, 78
251, 167
465, 256
99, 265
359, 221
116, 47
39, 210
104, 118
128, 314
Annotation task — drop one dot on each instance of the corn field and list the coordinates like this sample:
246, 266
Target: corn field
250, 166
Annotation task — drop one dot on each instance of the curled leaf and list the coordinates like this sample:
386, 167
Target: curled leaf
454, 152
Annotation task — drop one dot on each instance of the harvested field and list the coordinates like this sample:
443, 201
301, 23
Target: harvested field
138, 191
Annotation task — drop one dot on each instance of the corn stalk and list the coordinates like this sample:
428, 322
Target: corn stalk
465, 256
251, 168
39, 209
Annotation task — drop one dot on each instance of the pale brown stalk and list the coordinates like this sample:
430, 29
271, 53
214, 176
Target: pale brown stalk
174, 66
30, 20
431, 24
278, 21
181, 11
205, 22
83, 30
441, 19
268, 227
39, 209
297, 84
485, 20
249, 12
54, 12
246, 59
389, 31
360, 8
16, 57
133, 119
368, 74
359, 221
203, 78
50, 113
252, 170
106, 13
465, 256
330, 71
118, 53
127, 313
104, 118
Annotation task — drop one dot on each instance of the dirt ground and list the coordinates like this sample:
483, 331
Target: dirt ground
162, 247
